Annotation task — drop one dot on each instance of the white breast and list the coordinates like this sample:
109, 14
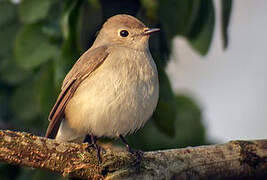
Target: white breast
118, 98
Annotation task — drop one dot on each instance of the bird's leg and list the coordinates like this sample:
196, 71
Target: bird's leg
93, 140
88, 140
92, 143
138, 154
126, 144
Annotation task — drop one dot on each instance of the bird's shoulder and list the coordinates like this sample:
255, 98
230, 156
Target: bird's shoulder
87, 63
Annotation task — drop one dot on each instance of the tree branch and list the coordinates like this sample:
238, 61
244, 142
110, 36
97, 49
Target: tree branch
235, 160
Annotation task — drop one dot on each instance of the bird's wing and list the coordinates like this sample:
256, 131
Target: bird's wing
87, 63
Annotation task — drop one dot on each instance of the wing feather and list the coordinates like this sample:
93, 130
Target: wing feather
87, 63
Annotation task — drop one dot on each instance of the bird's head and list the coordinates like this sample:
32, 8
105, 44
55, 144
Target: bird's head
124, 30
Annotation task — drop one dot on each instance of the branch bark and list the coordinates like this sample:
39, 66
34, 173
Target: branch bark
233, 160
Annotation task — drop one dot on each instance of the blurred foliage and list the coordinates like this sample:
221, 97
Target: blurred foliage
41, 40
226, 12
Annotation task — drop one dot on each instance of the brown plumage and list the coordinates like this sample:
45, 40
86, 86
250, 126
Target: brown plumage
112, 89
85, 65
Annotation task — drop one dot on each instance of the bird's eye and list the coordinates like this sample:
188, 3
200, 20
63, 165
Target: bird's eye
124, 33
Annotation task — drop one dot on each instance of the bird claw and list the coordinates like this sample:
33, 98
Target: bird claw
139, 156
137, 153
94, 145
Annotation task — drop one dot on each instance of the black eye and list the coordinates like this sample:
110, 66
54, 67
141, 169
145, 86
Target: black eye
124, 33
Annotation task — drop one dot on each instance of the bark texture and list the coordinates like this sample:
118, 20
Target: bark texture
233, 160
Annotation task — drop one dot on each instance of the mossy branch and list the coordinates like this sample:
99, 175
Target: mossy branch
235, 160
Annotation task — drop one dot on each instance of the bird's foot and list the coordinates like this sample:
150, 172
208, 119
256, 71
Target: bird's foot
137, 153
92, 143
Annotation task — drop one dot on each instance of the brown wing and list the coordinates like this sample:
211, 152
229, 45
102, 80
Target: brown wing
87, 63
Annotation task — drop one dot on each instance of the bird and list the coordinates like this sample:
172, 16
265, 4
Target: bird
112, 89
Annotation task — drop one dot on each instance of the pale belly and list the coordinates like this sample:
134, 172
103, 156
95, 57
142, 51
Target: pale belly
113, 101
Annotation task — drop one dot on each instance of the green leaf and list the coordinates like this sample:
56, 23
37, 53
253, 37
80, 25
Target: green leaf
160, 47
151, 7
70, 18
4, 106
32, 47
89, 24
45, 87
190, 130
10, 73
165, 112
164, 117
7, 36
7, 12
8, 27
24, 102
225, 15
31, 11
201, 33
69, 52
177, 16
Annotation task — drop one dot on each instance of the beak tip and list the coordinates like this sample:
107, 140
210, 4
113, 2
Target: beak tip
151, 30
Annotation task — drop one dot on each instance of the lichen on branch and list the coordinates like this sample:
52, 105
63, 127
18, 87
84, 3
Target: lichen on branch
236, 159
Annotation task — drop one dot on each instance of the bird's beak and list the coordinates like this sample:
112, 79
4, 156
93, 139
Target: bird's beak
150, 31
